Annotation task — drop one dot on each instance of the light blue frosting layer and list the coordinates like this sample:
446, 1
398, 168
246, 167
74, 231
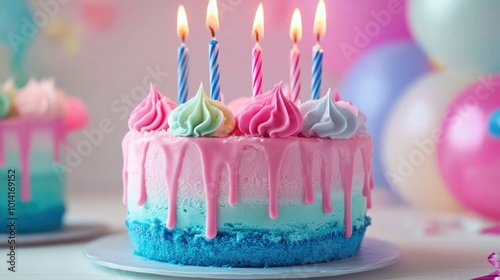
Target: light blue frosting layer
254, 213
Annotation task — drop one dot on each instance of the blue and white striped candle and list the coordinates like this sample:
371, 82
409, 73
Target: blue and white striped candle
213, 50
183, 57
317, 72
182, 74
319, 31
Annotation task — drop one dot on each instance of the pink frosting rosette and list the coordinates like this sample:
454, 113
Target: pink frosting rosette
41, 100
270, 115
152, 113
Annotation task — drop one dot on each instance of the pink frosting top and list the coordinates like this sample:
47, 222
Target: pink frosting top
152, 113
270, 115
40, 100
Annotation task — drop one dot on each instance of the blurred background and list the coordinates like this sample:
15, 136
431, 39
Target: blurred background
423, 71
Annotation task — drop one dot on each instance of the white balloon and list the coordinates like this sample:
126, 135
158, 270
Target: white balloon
410, 136
461, 34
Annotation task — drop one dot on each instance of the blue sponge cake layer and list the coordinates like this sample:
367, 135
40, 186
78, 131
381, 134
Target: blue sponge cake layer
237, 246
246, 236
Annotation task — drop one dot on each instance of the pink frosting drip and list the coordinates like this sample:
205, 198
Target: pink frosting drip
274, 151
270, 115
368, 182
125, 147
152, 113
24, 130
171, 178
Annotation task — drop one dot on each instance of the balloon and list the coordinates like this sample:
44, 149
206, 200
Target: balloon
17, 29
11, 18
461, 34
494, 125
468, 153
364, 25
409, 141
66, 33
99, 14
376, 81
76, 114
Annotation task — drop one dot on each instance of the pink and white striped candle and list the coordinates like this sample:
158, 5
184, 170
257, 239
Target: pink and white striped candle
257, 70
258, 33
295, 36
295, 73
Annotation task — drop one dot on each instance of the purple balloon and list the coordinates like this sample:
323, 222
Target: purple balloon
364, 25
376, 81
469, 150
354, 27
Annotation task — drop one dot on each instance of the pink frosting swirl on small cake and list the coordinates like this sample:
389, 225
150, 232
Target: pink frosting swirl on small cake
152, 113
40, 100
270, 115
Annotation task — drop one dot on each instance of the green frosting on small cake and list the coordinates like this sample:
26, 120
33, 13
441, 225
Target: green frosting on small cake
4, 105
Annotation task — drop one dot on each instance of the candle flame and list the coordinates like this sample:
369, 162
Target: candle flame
296, 26
320, 20
182, 23
212, 17
258, 23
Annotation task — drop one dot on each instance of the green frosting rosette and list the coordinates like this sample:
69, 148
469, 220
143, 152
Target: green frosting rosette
201, 117
5, 105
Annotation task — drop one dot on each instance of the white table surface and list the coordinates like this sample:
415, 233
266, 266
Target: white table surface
450, 254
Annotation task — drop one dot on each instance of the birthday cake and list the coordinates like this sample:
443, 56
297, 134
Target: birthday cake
275, 184
34, 121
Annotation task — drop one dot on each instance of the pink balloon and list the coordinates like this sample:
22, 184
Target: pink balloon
98, 14
469, 151
353, 27
76, 114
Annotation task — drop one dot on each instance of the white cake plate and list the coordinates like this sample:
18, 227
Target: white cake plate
72, 231
115, 251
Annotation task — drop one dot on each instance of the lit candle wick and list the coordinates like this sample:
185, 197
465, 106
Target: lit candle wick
212, 30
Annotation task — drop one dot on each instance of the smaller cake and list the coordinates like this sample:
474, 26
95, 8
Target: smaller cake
34, 122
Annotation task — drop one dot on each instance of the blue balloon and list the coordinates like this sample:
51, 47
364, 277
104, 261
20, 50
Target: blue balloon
14, 16
494, 124
375, 82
